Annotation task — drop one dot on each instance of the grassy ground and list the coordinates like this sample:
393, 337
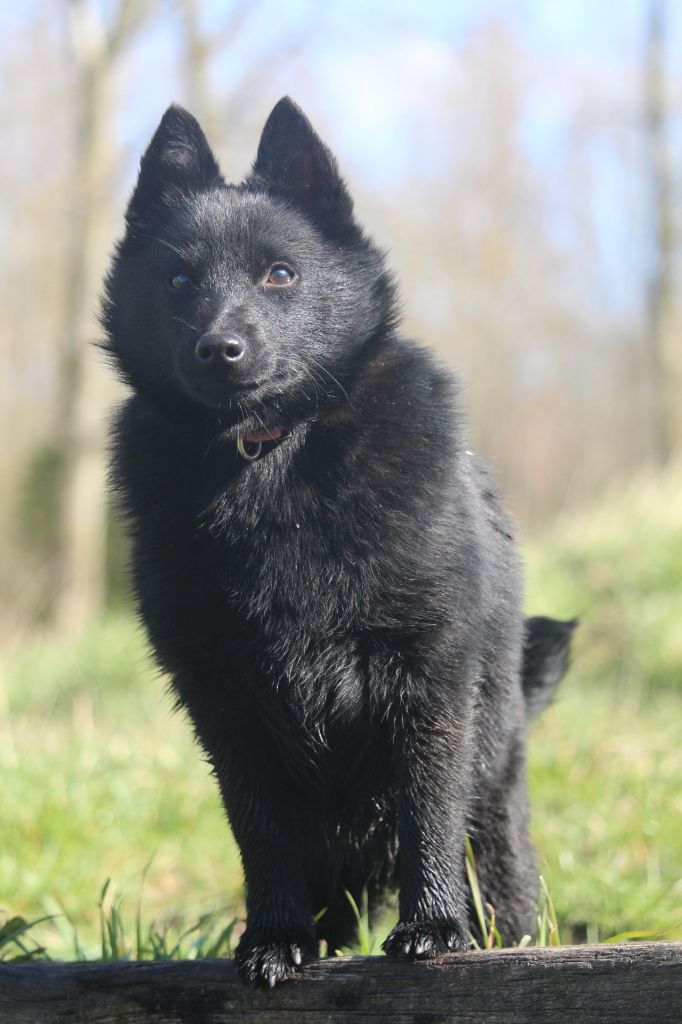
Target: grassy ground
606, 760
101, 780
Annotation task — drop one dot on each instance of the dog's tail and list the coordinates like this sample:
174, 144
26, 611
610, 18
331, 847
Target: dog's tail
546, 654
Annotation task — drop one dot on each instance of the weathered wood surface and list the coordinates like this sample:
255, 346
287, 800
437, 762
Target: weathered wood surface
634, 983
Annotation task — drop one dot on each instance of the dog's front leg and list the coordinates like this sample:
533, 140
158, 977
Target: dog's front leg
280, 932
433, 767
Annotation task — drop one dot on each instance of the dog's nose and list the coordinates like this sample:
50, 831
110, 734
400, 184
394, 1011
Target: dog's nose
217, 348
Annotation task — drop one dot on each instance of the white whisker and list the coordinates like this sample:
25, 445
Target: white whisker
336, 381
163, 241
191, 326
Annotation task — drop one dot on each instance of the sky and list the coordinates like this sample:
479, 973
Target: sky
373, 75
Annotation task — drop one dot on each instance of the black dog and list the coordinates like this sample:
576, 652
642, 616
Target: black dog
322, 566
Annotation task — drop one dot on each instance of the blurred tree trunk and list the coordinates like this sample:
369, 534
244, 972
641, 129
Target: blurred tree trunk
95, 48
199, 47
197, 50
664, 385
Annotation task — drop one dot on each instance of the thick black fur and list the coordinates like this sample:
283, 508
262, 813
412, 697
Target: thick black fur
341, 617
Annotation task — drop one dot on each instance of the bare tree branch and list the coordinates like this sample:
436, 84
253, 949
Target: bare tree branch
660, 284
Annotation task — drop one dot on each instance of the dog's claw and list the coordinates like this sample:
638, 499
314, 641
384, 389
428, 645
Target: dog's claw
419, 940
270, 963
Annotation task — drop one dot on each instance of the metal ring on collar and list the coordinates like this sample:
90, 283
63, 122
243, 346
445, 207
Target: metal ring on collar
249, 456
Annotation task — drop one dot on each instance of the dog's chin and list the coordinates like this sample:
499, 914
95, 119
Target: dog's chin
223, 400
238, 415
255, 407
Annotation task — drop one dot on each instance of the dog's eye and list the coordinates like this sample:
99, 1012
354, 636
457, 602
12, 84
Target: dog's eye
280, 275
180, 282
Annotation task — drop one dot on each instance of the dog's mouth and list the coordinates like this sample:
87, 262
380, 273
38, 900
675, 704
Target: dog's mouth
259, 410
216, 395
252, 424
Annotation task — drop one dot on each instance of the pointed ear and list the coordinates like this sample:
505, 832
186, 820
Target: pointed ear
178, 159
293, 160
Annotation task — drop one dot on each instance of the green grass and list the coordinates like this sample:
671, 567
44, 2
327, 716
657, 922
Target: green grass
618, 566
101, 780
606, 759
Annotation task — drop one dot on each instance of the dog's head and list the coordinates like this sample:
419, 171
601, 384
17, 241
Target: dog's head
248, 302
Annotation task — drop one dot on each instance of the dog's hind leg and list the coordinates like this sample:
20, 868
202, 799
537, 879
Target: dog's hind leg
504, 857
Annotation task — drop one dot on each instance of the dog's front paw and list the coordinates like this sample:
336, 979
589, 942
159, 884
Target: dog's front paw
421, 940
270, 962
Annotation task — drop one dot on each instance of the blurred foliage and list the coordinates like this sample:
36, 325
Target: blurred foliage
37, 517
606, 761
35, 532
118, 592
36, 526
618, 567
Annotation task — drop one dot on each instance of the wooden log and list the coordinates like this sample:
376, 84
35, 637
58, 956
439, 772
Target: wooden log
615, 984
